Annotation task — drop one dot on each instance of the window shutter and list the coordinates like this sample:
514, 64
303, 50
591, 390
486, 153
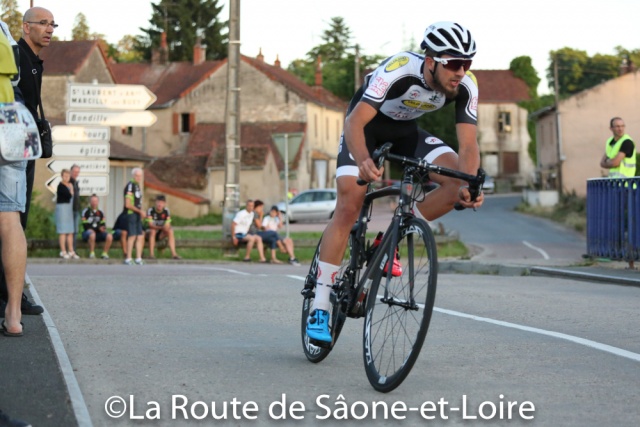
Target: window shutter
192, 122
176, 123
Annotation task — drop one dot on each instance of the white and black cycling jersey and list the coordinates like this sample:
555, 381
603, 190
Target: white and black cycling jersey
397, 90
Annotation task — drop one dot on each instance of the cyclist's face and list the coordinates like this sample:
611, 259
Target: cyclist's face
444, 80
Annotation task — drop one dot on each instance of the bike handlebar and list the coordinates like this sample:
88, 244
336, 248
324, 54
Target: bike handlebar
475, 181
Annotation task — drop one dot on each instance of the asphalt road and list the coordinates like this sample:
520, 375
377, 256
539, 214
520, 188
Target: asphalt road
230, 334
504, 235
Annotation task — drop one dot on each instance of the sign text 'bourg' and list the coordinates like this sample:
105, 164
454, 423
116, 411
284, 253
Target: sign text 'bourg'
77, 149
110, 97
111, 118
80, 134
89, 184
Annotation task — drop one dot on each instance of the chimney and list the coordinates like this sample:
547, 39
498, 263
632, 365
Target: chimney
319, 71
160, 56
260, 56
199, 52
277, 63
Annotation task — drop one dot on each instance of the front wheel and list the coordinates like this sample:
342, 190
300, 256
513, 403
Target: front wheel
317, 353
399, 308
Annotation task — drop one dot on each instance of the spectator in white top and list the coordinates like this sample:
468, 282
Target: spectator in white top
240, 232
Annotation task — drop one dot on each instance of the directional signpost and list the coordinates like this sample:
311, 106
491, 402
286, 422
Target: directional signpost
85, 139
111, 118
89, 184
110, 97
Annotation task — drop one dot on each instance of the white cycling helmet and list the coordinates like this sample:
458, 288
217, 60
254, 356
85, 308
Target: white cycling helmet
449, 38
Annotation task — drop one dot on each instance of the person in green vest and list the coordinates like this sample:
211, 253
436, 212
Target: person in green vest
620, 152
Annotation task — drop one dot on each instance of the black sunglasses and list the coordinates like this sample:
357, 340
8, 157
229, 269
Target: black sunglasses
454, 64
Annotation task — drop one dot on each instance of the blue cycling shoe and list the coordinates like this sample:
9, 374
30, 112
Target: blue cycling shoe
318, 326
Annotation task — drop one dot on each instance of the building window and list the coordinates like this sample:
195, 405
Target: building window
185, 121
126, 130
504, 121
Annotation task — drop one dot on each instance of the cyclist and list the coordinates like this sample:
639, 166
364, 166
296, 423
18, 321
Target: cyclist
385, 109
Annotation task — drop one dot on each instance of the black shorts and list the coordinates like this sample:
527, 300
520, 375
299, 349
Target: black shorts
407, 138
134, 224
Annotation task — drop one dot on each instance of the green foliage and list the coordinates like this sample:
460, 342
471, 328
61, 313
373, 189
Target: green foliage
183, 21
125, 50
209, 219
522, 68
12, 17
80, 30
578, 71
338, 59
41, 222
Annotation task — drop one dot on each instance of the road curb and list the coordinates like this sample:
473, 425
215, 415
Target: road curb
584, 275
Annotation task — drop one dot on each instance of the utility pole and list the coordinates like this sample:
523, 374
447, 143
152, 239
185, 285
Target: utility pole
556, 87
232, 122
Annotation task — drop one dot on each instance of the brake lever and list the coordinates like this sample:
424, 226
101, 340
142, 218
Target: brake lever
378, 158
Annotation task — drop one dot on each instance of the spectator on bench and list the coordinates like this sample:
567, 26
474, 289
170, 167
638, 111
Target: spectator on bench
95, 228
158, 227
240, 227
120, 232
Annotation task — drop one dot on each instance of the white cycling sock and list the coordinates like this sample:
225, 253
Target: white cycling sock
326, 278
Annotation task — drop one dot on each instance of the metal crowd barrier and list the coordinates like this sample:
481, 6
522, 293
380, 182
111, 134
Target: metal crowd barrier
613, 229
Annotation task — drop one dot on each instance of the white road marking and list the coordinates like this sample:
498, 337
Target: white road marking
582, 341
535, 248
593, 344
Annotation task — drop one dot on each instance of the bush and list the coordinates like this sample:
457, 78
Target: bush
209, 219
41, 222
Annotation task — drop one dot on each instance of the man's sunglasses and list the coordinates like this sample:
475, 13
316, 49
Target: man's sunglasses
453, 64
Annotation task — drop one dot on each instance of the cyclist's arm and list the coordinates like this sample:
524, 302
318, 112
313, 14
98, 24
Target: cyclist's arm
362, 114
468, 161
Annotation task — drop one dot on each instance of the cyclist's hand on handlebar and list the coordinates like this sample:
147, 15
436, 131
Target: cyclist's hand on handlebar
368, 171
465, 198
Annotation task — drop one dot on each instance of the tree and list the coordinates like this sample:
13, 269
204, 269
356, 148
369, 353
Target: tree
184, 21
338, 58
12, 17
577, 71
125, 50
80, 30
522, 68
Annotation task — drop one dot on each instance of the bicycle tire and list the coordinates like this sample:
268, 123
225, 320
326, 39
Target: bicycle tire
393, 335
337, 314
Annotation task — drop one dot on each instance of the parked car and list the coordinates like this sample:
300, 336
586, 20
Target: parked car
489, 185
311, 205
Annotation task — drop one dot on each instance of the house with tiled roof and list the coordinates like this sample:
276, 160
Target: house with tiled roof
190, 131
583, 121
502, 126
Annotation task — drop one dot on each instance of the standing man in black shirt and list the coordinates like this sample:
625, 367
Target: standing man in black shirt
135, 216
37, 30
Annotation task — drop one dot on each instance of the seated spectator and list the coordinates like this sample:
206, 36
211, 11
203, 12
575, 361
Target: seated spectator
120, 232
95, 228
240, 227
268, 227
158, 227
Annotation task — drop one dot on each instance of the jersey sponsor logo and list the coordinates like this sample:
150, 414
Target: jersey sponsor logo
432, 140
419, 105
396, 63
398, 115
473, 105
414, 94
379, 86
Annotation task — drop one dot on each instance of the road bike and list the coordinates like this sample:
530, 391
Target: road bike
396, 303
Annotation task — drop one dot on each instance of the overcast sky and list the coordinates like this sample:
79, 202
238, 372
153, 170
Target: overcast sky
289, 28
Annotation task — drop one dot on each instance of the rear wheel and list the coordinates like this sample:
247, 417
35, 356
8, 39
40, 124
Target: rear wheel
396, 325
317, 353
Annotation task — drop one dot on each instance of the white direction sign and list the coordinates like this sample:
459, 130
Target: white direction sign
89, 184
111, 118
80, 134
110, 97
86, 166
78, 149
